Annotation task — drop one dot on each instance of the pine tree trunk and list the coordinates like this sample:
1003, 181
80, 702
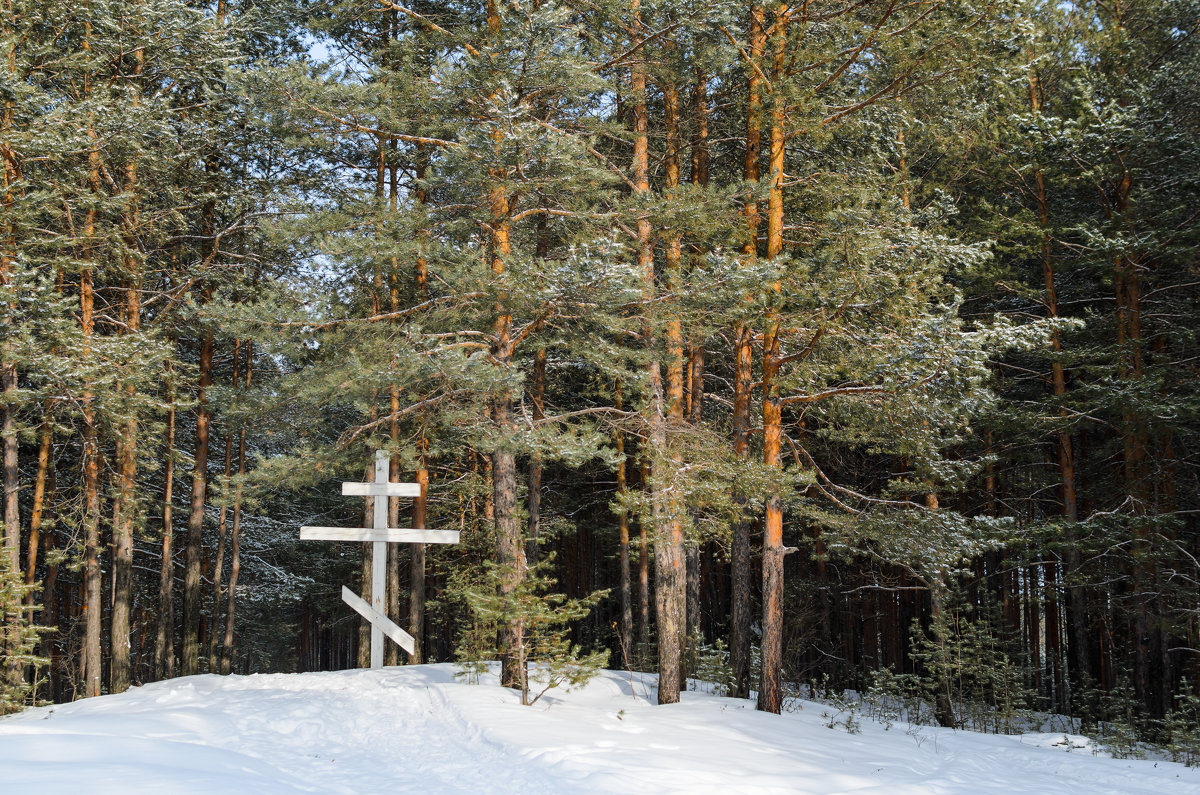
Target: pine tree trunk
670, 574
45, 454
235, 562
8, 432
1076, 598
770, 694
695, 366
416, 565
51, 601
416, 570
510, 551
123, 513
124, 501
623, 543
222, 524
943, 707
643, 576
91, 673
13, 620
368, 549
190, 657
164, 644
9, 445
391, 653
538, 398
741, 607
91, 500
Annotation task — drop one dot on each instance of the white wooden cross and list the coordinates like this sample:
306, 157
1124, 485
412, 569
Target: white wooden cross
380, 535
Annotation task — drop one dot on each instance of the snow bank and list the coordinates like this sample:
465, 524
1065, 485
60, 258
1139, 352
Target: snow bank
417, 729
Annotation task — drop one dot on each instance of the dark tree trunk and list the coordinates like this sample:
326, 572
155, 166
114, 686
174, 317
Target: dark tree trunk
538, 398
223, 524
192, 598
416, 571
623, 543
235, 563
164, 645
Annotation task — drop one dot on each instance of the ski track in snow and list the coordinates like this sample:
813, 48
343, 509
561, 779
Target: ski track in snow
417, 729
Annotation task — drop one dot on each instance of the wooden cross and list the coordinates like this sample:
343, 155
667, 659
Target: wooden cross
380, 535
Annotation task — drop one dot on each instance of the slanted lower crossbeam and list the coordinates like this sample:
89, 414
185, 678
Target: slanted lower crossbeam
378, 620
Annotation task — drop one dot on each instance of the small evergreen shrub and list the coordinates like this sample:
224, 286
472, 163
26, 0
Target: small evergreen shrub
548, 657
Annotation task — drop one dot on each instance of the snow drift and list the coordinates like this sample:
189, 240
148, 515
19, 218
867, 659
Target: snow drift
418, 729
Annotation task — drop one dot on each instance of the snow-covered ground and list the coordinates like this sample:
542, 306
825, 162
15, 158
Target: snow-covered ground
417, 729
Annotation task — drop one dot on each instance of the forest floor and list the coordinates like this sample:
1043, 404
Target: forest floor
419, 729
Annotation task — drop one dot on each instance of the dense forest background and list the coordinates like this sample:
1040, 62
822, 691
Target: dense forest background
841, 342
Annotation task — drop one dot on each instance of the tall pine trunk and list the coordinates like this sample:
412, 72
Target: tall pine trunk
416, 563
391, 654
164, 643
192, 599
235, 551
91, 448
670, 574
1064, 448
416, 566
694, 367
124, 501
538, 399
510, 551
36, 513
9, 446
223, 524
368, 553
626, 593
741, 607
770, 694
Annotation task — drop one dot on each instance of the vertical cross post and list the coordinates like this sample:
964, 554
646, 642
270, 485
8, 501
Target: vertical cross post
379, 561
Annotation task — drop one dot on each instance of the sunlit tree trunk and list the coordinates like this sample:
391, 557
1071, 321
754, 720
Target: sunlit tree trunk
770, 694
670, 575
510, 551
36, 512
741, 605
416, 566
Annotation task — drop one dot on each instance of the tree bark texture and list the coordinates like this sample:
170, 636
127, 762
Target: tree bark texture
741, 603
164, 643
192, 599
91, 446
235, 540
770, 693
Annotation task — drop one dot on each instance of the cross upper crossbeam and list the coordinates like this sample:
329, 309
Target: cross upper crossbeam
381, 489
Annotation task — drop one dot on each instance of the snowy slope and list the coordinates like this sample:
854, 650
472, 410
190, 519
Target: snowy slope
416, 729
